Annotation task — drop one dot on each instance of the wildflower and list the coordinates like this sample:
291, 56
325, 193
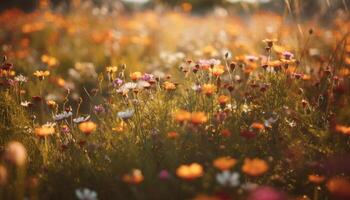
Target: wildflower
49, 60
127, 114
41, 74
81, 119
143, 84
86, 194
135, 76
196, 87
172, 135
208, 89
217, 70
6, 66
26, 103
147, 77
126, 87
87, 127
266, 193
169, 86
223, 99
254, 167
198, 118
224, 163
63, 115
164, 174
16, 153
257, 126
117, 82
189, 172
226, 178
111, 69
287, 55
99, 109
51, 103
45, 130
342, 129
339, 187
315, 178
135, 177
20, 78
3, 175
182, 116
121, 127
65, 129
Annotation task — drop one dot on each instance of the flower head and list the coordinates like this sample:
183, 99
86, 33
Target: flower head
254, 167
135, 177
41, 74
87, 127
189, 172
224, 163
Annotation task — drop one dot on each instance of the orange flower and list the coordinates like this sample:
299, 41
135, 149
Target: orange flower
135, 76
169, 85
208, 89
257, 126
135, 177
87, 127
198, 118
315, 178
44, 131
343, 129
254, 167
172, 135
182, 116
217, 70
223, 99
224, 163
190, 171
339, 187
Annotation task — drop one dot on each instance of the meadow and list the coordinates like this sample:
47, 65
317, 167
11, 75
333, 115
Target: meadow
104, 102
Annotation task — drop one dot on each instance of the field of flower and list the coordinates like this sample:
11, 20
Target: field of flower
106, 102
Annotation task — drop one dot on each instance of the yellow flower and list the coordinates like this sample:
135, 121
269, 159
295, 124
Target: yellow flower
111, 69
224, 163
217, 70
135, 76
254, 167
208, 89
169, 85
44, 131
189, 172
49, 60
87, 127
41, 74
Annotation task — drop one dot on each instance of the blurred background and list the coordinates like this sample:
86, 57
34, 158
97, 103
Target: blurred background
197, 6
